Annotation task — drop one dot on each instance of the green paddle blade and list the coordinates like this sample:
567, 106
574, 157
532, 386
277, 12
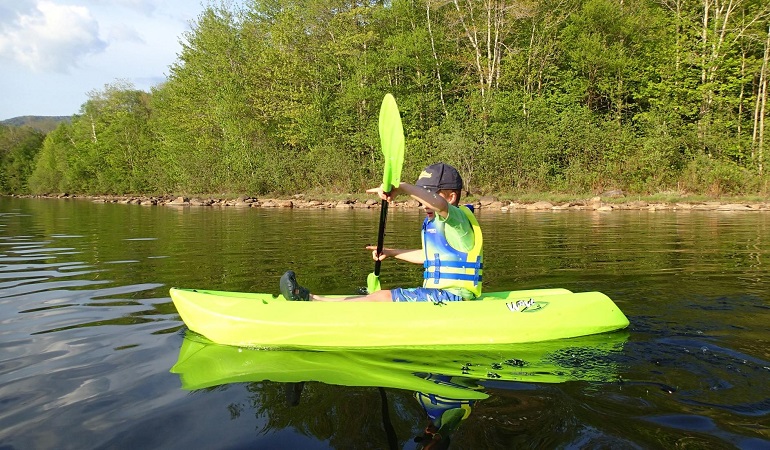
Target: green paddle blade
392, 142
372, 283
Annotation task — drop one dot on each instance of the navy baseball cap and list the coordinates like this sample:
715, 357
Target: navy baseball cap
440, 176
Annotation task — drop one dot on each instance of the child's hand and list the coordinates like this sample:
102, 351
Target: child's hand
387, 196
375, 256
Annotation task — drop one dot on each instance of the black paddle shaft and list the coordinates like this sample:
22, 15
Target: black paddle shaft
381, 236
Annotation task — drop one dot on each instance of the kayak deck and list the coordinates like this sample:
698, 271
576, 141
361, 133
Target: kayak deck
264, 320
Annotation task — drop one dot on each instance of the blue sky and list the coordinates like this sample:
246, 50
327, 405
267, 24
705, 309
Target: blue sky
54, 52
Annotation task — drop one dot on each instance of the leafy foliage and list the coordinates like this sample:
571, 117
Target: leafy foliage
573, 96
18, 148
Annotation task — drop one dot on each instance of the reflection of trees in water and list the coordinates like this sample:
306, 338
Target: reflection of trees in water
515, 419
346, 417
349, 417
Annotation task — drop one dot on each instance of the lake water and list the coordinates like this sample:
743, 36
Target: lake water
88, 333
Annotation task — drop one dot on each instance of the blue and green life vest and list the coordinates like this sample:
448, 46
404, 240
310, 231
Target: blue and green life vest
435, 406
447, 267
446, 413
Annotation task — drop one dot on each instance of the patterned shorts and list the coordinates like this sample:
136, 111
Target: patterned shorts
422, 294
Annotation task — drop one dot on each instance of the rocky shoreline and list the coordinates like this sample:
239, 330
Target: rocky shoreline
599, 203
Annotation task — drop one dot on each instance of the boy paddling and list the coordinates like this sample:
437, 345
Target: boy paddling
451, 245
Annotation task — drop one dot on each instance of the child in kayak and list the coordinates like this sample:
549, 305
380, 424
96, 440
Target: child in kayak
451, 245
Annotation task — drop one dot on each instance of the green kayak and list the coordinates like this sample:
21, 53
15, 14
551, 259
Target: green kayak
448, 372
264, 320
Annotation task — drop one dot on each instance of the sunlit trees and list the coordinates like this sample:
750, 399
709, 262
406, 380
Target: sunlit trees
106, 149
579, 96
51, 165
18, 148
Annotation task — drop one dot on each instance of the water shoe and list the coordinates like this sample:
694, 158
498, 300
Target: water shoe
291, 290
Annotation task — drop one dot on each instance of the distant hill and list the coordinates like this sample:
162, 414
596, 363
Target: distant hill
42, 123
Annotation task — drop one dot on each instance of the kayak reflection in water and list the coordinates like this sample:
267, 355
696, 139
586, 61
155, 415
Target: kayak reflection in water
451, 245
444, 414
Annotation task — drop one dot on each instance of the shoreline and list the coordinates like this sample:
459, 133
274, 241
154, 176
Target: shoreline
597, 203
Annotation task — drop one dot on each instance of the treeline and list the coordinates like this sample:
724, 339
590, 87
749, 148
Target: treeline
569, 96
41, 123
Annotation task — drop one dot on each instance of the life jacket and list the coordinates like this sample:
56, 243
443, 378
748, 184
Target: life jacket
435, 405
447, 267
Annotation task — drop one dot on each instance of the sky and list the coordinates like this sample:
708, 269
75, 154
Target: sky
54, 52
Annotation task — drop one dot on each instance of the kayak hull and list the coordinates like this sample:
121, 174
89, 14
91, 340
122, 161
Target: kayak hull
264, 320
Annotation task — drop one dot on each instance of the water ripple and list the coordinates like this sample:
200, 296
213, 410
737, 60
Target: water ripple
88, 333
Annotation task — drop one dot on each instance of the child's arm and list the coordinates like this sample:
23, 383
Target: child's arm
412, 256
430, 199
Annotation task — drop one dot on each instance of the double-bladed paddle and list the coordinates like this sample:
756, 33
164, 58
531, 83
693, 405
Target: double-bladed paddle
392, 143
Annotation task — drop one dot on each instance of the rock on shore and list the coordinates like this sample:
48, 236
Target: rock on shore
598, 203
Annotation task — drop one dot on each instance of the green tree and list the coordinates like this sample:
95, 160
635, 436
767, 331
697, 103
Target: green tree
119, 146
51, 164
605, 41
205, 121
18, 148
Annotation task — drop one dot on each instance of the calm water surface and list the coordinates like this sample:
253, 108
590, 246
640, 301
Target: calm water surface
88, 334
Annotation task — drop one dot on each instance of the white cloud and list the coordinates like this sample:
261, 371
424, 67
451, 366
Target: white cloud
53, 52
51, 37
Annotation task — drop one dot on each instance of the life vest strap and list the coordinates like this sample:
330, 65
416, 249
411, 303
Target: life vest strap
454, 264
435, 276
